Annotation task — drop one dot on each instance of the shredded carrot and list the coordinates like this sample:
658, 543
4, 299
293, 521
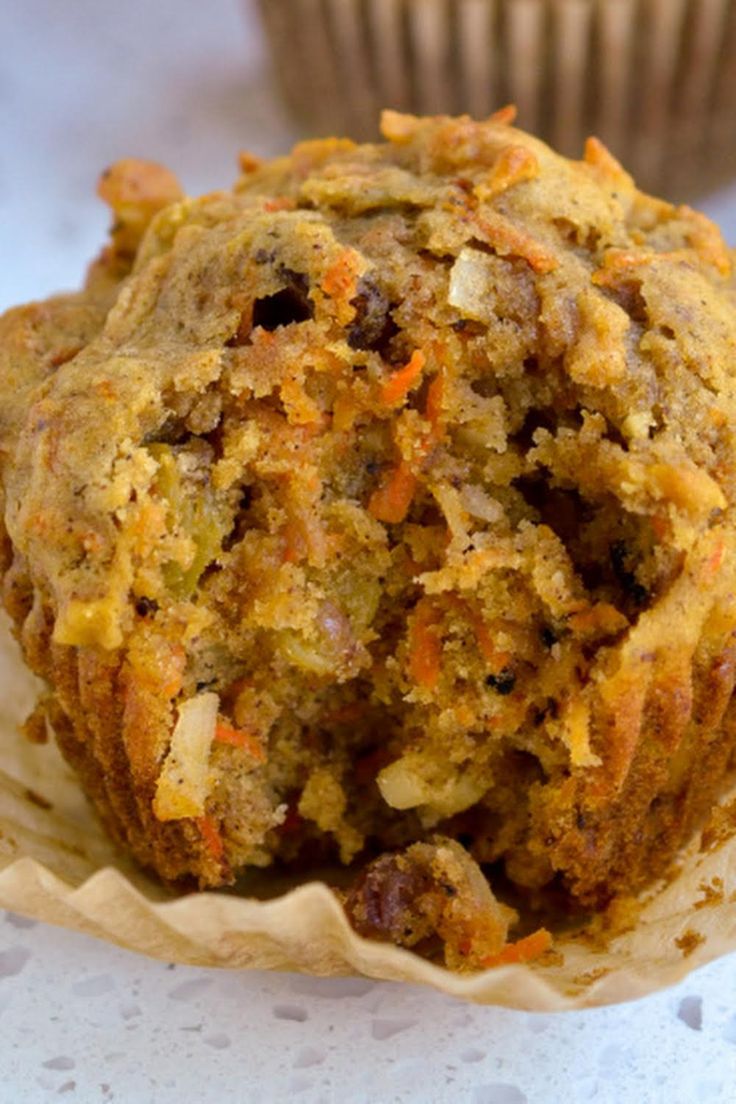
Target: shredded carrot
618, 263
344, 412
398, 128
105, 389
715, 560
391, 502
602, 617
300, 409
660, 526
64, 355
510, 241
504, 116
515, 165
237, 737
425, 647
172, 661
341, 277
433, 407
399, 383
248, 162
523, 950
600, 157
295, 544
211, 837
281, 203
496, 660
263, 337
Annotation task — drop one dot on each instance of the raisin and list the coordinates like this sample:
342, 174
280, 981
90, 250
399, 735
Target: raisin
383, 902
144, 607
373, 327
503, 683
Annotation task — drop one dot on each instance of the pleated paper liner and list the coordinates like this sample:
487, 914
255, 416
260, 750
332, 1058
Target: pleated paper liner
654, 79
57, 865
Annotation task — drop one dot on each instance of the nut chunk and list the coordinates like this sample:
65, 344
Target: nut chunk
430, 890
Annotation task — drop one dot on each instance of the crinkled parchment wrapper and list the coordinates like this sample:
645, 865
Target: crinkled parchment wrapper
57, 865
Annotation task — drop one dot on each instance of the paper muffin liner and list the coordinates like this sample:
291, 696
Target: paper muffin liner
57, 865
654, 79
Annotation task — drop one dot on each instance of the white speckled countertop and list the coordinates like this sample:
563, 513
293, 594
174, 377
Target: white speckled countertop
93, 1023
82, 83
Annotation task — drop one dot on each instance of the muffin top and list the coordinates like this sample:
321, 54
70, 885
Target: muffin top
449, 417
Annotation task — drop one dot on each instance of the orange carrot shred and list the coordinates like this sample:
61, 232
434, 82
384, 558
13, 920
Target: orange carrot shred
660, 526
236, 737
211, 837
505, 115
523, 950
391, 502
716, 558
341, 277
515, 165
425, 647
602, 617
280, 203
495, 659
400, 382
433, 407
509, 240
295, 542
600, 157
248, 162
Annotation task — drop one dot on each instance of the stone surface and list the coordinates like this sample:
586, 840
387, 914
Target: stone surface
121, 1027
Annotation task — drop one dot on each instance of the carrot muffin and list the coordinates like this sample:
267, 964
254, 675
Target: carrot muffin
380, 509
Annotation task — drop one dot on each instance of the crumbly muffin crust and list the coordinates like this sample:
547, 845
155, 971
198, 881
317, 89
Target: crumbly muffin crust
388, 494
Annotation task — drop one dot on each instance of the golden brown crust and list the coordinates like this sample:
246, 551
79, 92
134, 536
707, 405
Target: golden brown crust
390, 492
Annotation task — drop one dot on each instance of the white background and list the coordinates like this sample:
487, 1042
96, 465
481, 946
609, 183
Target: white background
83, 82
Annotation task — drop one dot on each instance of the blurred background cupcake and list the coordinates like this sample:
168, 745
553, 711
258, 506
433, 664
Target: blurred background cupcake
655, 79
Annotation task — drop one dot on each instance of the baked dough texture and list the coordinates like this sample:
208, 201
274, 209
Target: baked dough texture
380, 510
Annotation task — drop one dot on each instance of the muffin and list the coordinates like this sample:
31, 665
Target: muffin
654, 79
379, 511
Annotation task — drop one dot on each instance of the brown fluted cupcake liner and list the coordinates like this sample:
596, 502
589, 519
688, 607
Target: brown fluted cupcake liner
654, 79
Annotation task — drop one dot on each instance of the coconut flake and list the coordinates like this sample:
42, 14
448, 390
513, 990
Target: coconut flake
471, 284
184, 782
479, 504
